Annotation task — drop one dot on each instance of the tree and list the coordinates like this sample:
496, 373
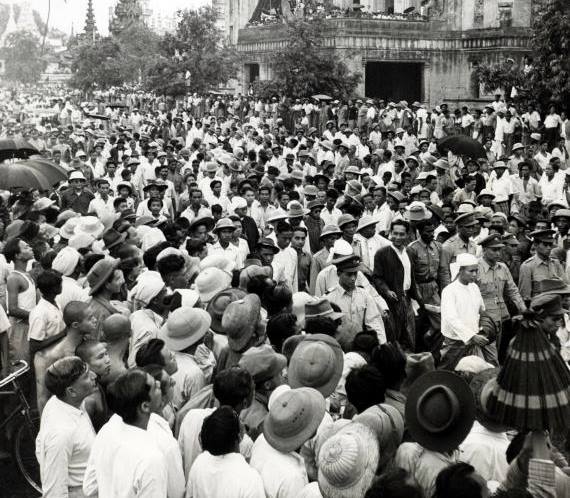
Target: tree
193, 59
549, 79
113, 61
23, 58
305, 67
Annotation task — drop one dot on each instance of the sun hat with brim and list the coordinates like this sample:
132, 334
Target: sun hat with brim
397, 196
218, 261
224, 224
387, 423
240, 320
352, 169
366, 221
253, 270
310, 190
325, 144
184, 327
345, 219
210, 281
347, 462
499, 165
81, 241
440, 410
557, 204
330, 230
156, 184
519, 218
317, 362
43, 204
277, 215
206, 220
90, 225
263, 363
517, 146
315, 204
485, 193
63, 216
268, 243
77, 175
100, 273
218, 305
294, 418
441, 164
321, 307
68, 229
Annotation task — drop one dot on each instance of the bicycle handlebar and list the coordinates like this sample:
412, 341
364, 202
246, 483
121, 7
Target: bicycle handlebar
15, 374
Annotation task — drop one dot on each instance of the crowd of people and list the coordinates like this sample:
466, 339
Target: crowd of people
231, 297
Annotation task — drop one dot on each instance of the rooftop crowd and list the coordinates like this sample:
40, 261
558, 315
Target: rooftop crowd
292, 298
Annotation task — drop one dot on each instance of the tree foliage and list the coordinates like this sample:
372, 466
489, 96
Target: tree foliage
23, 58
306, 68
549, 78
113, 61
194, 58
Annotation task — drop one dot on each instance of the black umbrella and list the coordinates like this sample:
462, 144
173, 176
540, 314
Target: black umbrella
31, 174
462, 146
19, 148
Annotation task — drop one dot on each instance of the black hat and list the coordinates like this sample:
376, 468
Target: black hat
542, 235
351, 264
440, 410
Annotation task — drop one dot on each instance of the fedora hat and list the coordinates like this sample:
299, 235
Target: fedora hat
112, 238
277, 215
553, 286
330, 230
484, 193
347, 462
184, 327
481, 386
440, 410
295, 210
315, 204
294, 418
321, 307
42, 204
240, 320
310, 190
63, 216
517, 146
90, 225
100, 273
218, 305
317, 362
220, 261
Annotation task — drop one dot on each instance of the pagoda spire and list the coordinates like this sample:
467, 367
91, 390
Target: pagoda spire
90, 26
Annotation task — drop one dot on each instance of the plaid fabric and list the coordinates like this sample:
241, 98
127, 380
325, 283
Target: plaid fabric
541, 478
532, 387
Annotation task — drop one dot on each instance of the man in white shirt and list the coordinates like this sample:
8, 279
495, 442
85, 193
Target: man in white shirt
369, 241
102, 204
125, 461
550, 186
285, 261
66, 433
461, 305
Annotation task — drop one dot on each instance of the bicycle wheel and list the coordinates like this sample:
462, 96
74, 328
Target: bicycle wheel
24, 450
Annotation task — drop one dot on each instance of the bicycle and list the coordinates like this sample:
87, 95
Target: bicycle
25, 421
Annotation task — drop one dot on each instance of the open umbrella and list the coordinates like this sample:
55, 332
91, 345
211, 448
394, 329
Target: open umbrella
11, 148
31, 174
462, 146
321, 97
97, 116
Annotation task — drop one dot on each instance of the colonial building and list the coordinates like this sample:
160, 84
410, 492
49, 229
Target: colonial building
422, 50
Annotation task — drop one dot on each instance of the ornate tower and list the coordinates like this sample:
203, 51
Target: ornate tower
90, 30
128, 13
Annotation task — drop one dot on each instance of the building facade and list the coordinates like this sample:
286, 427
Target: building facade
404, 49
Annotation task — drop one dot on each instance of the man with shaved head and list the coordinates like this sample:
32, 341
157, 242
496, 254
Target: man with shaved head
79, 324
117, 333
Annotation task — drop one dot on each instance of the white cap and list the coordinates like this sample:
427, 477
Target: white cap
77, 175
238, 202
466, 259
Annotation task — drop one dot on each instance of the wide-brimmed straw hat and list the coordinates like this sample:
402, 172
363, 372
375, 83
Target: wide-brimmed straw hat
348, 461
240, 320
317, 362
184, 327
440, 410
294, 418
218, 305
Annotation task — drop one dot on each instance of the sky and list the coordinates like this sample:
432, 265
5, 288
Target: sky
65, 13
